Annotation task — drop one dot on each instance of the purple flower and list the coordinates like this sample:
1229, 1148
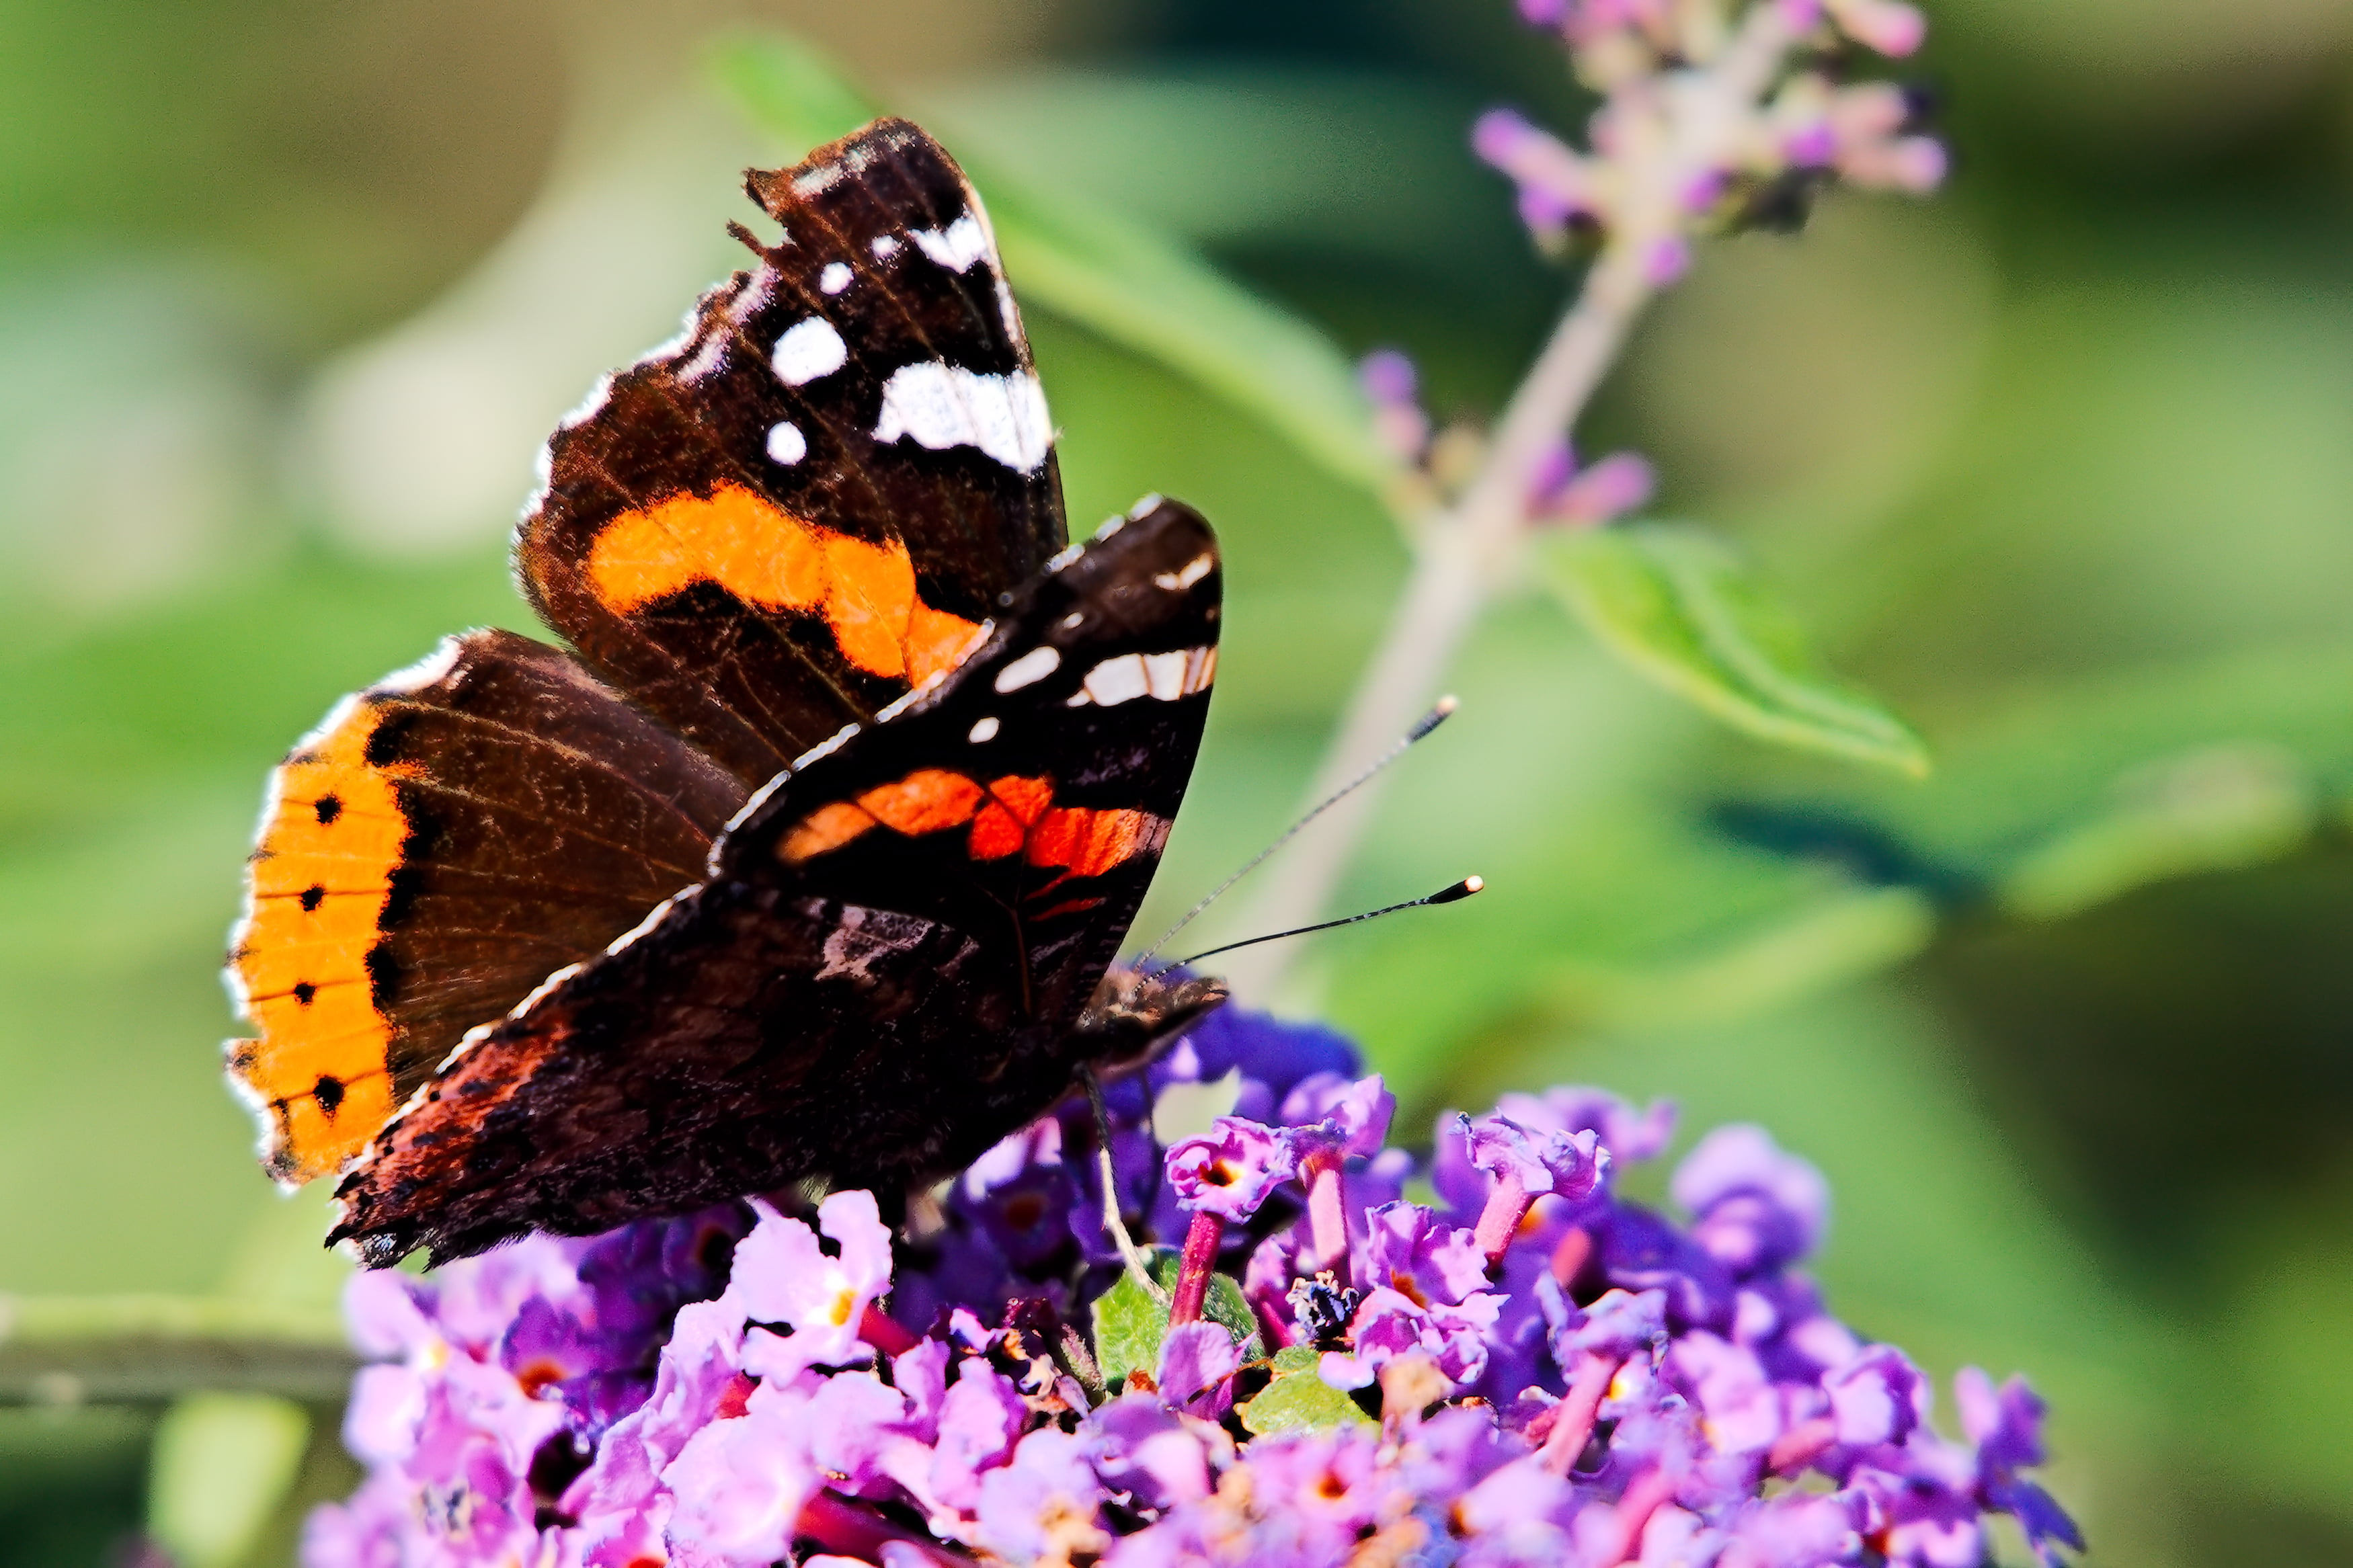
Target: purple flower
1876, 1398
740, 1484
721, 1391
1756, 1207
1151, 1455
783, 1275
1527, 1164
1568, 1164
1728, 1385
1388, 1324
1327, 1110
1230, 1171
2007, 1426
1411, 1251
1197, 1361
1020, 1195
1044, 1505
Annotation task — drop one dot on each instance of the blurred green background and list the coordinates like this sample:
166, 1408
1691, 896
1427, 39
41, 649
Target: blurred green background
2060, 462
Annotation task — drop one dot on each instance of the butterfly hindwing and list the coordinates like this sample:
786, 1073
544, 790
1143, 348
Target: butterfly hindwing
891, 963
805, 507
429, 855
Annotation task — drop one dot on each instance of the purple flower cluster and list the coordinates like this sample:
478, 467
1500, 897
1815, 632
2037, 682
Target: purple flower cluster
1709, 117
1562, 493
1515, 1365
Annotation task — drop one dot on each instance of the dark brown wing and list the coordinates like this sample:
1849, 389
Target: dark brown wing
781, 523
433, 851
890, 965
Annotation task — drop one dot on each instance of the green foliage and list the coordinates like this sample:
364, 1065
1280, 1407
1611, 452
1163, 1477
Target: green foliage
1130, 1325
1298, 1399
221, 1463
1678, 605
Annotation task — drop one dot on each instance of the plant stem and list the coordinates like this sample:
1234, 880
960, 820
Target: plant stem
1463, 551
1452, 578
60, 1349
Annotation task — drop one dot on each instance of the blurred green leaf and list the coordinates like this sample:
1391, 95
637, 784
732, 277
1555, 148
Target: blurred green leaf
222, 1462
1809, 951
1299, 1400
1108, 272
1679, 605
2217, 808
67, 1350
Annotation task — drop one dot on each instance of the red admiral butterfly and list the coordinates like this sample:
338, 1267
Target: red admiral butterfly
832, 673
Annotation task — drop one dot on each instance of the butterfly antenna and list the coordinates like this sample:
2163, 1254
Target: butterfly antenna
1452, 893
1438, 714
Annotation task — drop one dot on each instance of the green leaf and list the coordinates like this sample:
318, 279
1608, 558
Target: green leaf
222, 1464
1299, 1400
1678, 604
1109, 273
2215, 809
1130, 1325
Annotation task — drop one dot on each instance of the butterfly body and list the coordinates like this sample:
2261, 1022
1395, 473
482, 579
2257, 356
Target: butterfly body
811, 855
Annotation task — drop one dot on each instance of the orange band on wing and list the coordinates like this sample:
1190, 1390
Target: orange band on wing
1002, 827
318, 879
1088, 843
1009, 815
925, 801
770, 559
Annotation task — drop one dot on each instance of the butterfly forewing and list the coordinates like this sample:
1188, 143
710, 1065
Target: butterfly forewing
807, 504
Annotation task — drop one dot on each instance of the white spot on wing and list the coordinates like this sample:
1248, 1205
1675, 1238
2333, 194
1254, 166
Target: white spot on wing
1163, 677
1194, 571
886, 246
787, 445
944, 405
986, 730
1031, 666
1117, 680
1166, 674
956, 247
835, 277
808, 350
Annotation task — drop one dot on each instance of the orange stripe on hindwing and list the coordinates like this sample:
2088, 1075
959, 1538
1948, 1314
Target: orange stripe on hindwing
1009, 815
769, 558
317, 883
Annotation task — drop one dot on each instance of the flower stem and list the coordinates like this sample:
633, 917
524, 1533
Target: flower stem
846, 1528
884, 1333
1800, 1443
1643, 1495
1200, 1260
1507, 1205
1327, 1214
1464, 550
1573, 1422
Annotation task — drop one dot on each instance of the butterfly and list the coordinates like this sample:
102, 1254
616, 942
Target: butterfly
807, 855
